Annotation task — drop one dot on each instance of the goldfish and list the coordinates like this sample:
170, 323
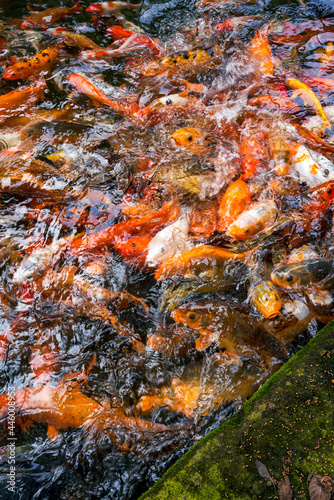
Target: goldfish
108, 8
261, 52
19, 100
305, 274
35, 65
84, 86
76, 39
181, 60
253, 221
188, 137
197, 257
235, 199
303, 91
169, 241
49, 16
265, 298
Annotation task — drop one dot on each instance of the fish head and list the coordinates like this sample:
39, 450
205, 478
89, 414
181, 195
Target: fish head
186, 137
288, 276
266, 299
193, 315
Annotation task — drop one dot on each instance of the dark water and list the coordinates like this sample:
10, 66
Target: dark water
149, 385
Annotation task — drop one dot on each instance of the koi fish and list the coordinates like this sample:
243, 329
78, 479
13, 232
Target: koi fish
265, 298
188, 137
41, 260
255, 220
305, 167
235, 199
203, 219
134, 42
181, 60
49, 16
268, 101
76, 39
134, 250
254, 154
33, 66
20, 99
225, 324
109, 8
84, 86
118, 33
196, 257
171, 99
303, 91
305, 252
318, 200
261, 52
305, 274
143, 226
169, 241
65, 407
235, 22
281, 154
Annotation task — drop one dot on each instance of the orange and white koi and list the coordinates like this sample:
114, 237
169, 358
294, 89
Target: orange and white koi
253, 221
235, 22
118, 33
109, 8
303, 91
19, 100
134, 42
305, 167
234, 201
25, 68
49, 16
268, 101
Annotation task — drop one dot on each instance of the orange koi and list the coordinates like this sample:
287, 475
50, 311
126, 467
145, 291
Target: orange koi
65, 407
49, 16
33, 66
254, 154
19, 100
273, 102
134, 250
84, 86
179, 264
235, 22
261, 51
76, 39
203, 221
255, 220
265, 298
134, 42
188, 137
147, 225
234, 201
108, 8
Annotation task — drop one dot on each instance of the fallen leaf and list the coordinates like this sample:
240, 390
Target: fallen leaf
263, 471
320, 488
284, 489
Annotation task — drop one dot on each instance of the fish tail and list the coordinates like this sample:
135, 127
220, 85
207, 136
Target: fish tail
76, 7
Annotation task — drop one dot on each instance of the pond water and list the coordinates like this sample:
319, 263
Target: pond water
166, 227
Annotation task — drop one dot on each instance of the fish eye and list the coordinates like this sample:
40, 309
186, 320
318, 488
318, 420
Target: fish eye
326, 172
192, 316
169, 101
190, 137
246, 230
133, 244
329, 190
289, 278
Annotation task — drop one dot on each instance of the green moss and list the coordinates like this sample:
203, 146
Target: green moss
287, 425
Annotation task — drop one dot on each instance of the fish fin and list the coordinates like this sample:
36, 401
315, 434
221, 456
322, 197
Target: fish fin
184, 93
52, 433
76, 7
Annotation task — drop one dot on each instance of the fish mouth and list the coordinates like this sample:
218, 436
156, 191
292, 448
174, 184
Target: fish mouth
272, 315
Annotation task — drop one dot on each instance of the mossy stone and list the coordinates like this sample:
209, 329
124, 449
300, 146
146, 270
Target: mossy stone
288, 425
